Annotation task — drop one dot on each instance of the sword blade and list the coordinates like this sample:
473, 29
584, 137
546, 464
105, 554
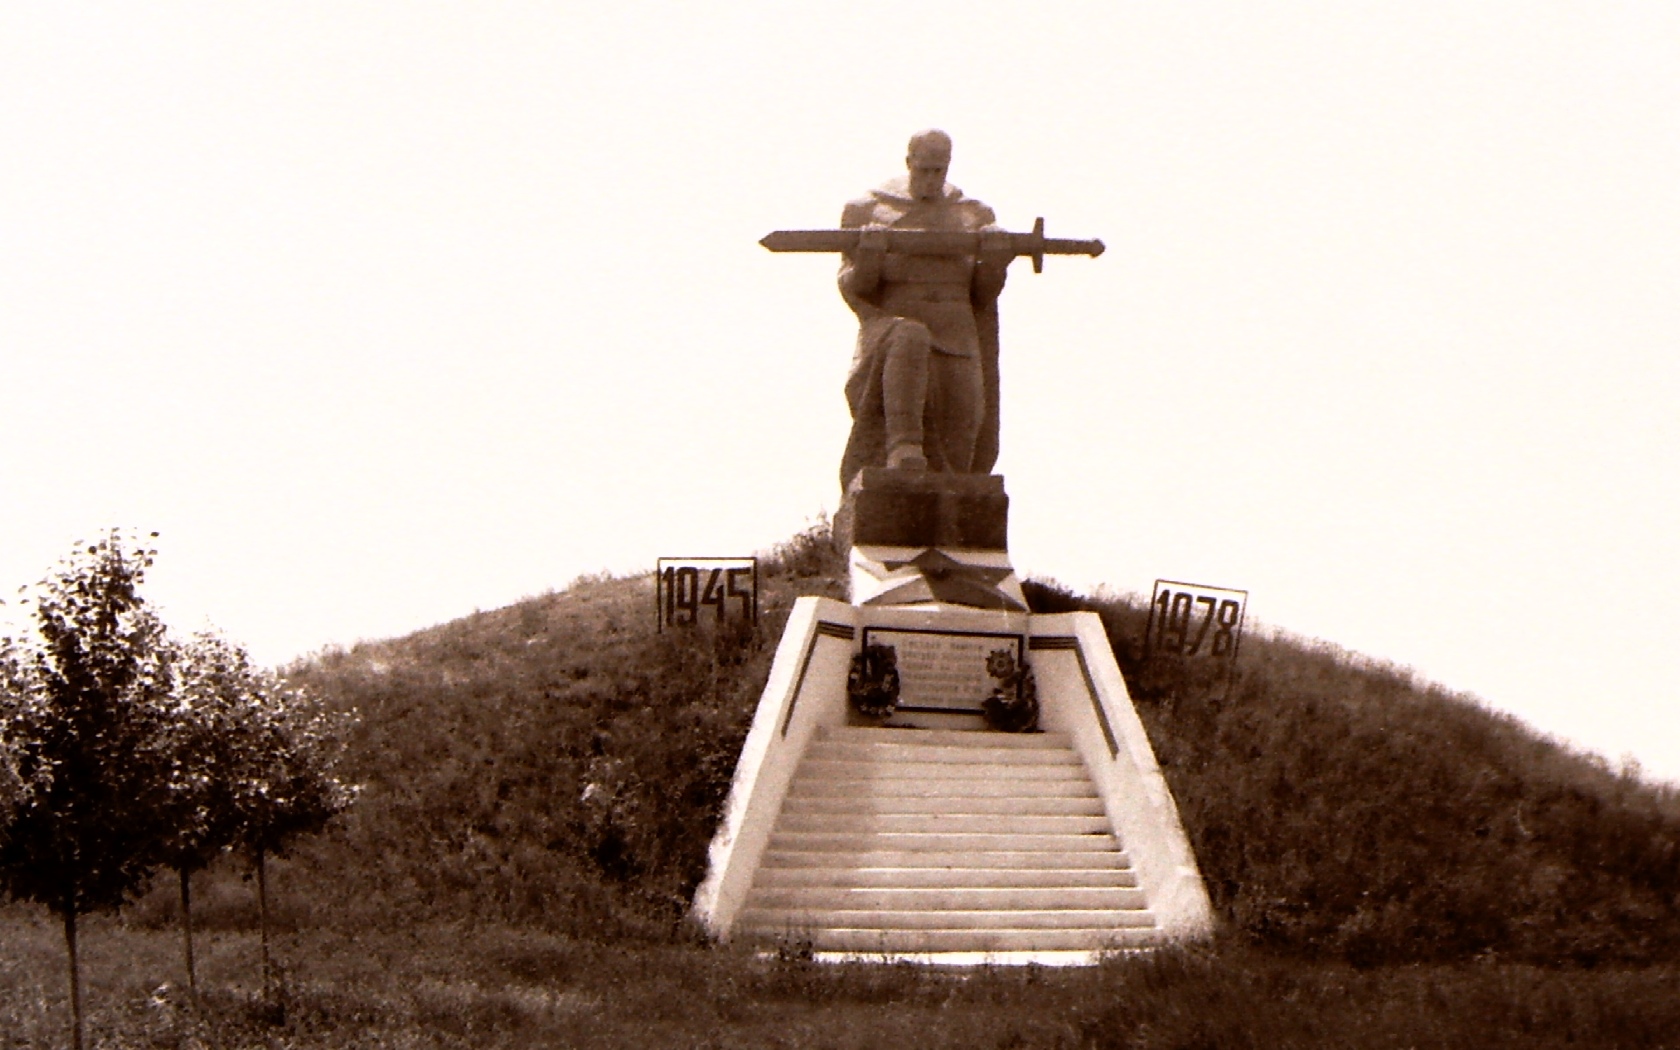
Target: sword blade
1066, 246
927, 242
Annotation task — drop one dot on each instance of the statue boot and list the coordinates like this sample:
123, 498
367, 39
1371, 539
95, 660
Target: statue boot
907, 456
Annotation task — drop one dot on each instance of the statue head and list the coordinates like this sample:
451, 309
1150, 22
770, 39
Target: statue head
929, 159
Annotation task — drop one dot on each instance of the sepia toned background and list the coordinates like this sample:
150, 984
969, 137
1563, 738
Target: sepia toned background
380, 313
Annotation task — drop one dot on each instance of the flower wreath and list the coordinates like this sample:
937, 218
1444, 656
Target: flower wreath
1013, 703
872, 683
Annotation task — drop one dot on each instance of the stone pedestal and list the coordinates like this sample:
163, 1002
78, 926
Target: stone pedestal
919, 508
928, 539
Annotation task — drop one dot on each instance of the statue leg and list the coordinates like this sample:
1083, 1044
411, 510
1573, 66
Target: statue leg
960, 396
904, 390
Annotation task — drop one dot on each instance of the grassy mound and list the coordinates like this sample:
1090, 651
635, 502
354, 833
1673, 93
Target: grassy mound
1338, 808
560, 764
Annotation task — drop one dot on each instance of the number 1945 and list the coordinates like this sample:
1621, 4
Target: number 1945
687, 586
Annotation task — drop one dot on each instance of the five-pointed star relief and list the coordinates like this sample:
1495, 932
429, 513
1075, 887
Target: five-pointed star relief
934, 576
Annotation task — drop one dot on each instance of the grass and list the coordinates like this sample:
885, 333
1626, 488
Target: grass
1391, 864
1339, 808
488, 987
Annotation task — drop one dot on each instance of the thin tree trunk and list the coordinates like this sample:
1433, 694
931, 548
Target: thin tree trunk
75, 972
186, 926
262, 921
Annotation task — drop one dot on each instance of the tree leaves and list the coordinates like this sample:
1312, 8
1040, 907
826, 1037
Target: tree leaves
253, 761
122, 749
81, 713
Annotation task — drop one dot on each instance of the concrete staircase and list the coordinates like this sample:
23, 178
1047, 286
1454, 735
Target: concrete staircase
906, 841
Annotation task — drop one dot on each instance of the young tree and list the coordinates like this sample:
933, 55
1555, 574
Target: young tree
81, 710
214, 737
12, 790
252, 763
291, 786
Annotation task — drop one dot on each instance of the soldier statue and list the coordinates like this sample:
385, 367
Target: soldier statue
924, 382
922, 266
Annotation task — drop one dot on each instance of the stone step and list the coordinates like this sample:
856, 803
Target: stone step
1000, 901
829, 770
893, 840
882, 803
870, 856
969, 842
906, 785
943, 823
998, 940
922, 754
794, 919
943, 737
777, 877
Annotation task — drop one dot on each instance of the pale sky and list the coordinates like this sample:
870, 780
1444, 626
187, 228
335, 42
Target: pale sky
381, 313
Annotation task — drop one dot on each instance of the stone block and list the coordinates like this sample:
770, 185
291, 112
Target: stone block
905, 508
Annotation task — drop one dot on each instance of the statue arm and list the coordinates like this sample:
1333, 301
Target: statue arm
860, 270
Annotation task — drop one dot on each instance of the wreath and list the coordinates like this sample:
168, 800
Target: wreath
1013, 703
872, 683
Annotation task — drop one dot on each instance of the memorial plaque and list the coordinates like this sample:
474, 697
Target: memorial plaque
944, 671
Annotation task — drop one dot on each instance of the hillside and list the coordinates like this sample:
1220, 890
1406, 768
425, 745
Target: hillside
560, 763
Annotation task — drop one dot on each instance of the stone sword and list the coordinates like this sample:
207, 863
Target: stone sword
937, 242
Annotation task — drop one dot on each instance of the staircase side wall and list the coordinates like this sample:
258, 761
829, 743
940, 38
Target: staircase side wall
806, 690
1082, 693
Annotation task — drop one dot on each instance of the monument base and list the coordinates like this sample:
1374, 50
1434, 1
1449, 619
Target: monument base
928, 539
919, 508
936, 845
904, 827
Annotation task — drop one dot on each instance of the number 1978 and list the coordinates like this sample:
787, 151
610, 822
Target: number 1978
1187, 619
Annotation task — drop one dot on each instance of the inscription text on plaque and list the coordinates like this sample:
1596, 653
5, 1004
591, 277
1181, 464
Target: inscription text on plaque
944, 670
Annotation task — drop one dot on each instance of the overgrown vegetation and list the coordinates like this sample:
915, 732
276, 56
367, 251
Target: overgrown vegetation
560, 762
1392, 864
475, 987
1339, 808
